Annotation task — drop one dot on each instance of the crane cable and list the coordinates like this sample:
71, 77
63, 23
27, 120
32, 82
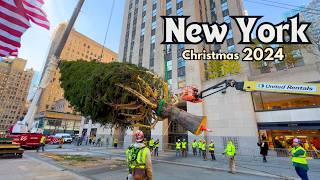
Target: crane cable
107, 30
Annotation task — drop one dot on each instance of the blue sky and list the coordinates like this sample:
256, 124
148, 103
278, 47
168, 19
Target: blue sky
93, 21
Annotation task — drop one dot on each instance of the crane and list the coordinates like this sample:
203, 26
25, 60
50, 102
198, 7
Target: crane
192, 94
27, 124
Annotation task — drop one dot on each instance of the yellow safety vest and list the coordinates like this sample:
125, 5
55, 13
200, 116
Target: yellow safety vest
211, 147
200, 145
157, 144
178, 145
194, 145
203, 147
151, 143
302, 159
43, 140
184, 145
141, 158
230, 150
128, 158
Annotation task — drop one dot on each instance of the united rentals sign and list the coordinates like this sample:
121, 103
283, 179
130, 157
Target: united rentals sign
283, 87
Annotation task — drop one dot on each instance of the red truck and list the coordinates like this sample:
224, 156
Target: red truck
29, 140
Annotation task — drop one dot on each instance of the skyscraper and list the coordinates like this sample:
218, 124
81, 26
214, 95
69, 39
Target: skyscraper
78, 46
141, 45
14, 85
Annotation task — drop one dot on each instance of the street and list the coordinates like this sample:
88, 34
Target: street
35, 166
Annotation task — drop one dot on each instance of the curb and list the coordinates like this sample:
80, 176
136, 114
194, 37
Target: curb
226, 170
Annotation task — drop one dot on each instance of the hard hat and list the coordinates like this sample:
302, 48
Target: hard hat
184, 139
139, 136
296, 140
178, 139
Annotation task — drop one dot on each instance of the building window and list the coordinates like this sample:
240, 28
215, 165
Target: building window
232, 48
264, 101
182, 71
224, 5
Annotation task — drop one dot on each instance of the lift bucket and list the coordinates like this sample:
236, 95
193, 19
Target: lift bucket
194, 124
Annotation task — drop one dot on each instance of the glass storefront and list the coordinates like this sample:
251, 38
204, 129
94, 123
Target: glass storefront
264, 101
282, 139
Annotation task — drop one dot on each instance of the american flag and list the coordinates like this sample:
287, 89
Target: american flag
15, 17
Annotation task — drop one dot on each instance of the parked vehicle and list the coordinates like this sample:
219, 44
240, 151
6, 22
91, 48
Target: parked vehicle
67, 137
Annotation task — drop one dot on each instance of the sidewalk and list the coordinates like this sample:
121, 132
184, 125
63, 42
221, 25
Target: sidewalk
276, 166
30, 168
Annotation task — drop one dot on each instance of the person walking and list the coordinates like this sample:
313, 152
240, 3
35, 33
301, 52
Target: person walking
141, 159
115, 142
61, 142
211, 150
178, 148
200, 147
194, 147
264, 147
42, 143
204, 150
156, 150
299, 159
184, 148
230, 151
151, 145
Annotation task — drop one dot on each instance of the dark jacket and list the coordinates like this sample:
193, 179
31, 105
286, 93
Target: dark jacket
264, 147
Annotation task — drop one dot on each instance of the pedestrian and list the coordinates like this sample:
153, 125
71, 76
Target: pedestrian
115, 142
93, 140
42, 143
151, 145
90, 140
211, 150
61, 142
87, 139
194, 147
184, 148
264, 147
204, 150
230, 151
130, 162
156, 150
141, 159
200, 147
299, 159
178, 148
98, 142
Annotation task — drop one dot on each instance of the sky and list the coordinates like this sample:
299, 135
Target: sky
93, 20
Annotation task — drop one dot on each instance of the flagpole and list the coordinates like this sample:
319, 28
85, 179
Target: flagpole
28, 123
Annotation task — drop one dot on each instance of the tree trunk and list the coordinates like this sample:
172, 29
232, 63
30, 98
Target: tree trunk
192, 123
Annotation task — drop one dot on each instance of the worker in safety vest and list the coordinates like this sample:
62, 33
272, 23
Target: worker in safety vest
200, 147
115, 142
184, 148
61, 142
194, 147
178, 148
140, 159
42, 143
230, 151
211, 150
299, 159
151, 144
129, 161
204, 150
156, 150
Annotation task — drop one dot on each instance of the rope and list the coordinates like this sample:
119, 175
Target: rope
160, 106
107, 30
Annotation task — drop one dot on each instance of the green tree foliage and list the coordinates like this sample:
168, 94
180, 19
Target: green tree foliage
92, 88
223, 68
